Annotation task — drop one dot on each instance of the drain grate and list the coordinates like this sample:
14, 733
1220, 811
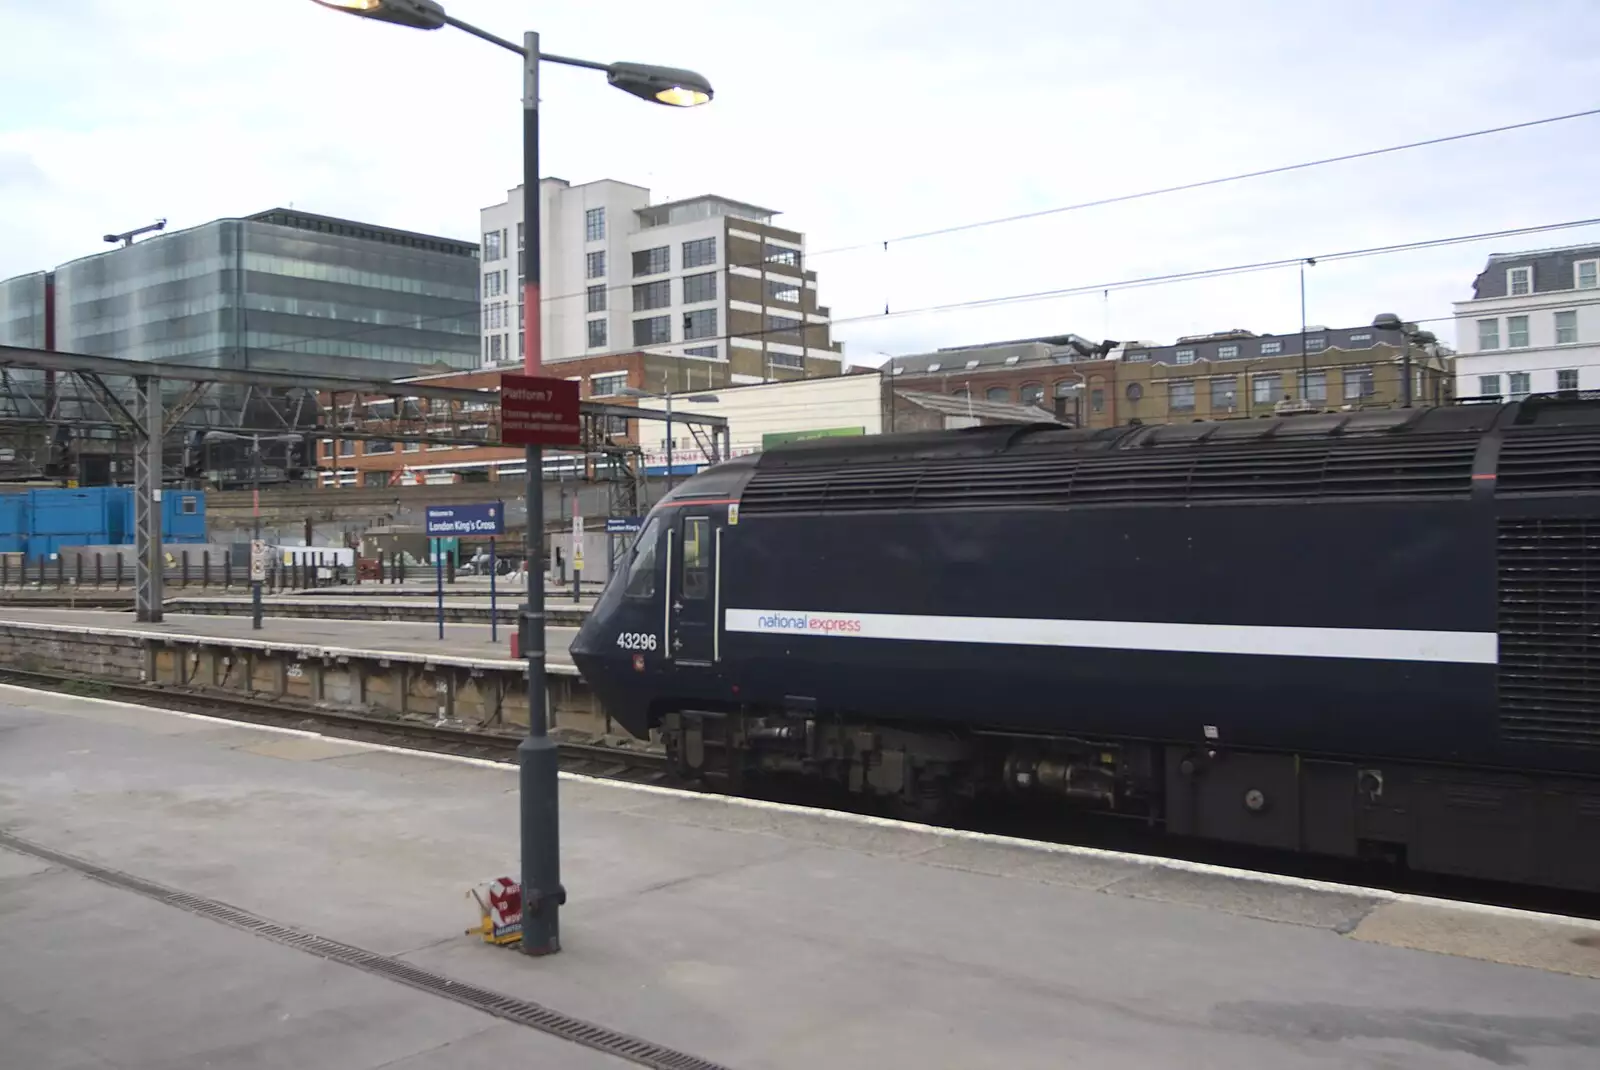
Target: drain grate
532, 1015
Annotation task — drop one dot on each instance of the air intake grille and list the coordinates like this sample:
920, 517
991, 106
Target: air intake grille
1420, 467
1550, 631
1535, 462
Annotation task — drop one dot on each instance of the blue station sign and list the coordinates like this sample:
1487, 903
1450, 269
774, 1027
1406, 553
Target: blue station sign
481, 520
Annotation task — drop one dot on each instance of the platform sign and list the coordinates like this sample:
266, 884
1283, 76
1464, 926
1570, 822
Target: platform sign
624, 525
483, 519
500, 908
536, 411
258, 561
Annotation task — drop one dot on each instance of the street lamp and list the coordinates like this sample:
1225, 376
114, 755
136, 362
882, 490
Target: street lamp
1388, 321
542, 893
255, 497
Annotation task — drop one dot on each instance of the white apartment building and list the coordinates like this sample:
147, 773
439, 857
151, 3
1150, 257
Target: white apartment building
1532, 325
706, 278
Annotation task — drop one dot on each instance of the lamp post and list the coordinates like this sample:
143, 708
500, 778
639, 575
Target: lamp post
1388, 321
1305, 366
542, 894
255, 497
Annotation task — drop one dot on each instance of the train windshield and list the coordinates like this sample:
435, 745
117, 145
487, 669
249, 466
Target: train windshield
642, 568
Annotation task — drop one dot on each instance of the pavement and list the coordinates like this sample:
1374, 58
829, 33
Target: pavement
461, 640
752, 934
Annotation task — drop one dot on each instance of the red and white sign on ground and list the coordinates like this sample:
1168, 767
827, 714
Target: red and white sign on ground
539, 412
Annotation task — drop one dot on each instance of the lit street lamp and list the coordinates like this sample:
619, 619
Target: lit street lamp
542, 893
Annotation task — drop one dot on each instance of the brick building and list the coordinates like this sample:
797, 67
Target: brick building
1231, 374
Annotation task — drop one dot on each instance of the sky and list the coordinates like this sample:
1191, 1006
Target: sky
861, 123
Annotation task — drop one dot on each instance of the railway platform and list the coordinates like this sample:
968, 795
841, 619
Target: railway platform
469, 641
179, 891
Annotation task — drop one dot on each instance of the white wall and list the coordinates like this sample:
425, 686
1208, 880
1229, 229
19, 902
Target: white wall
770, 408
1542, 357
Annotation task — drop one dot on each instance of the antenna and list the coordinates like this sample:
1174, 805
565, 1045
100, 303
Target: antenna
127, 236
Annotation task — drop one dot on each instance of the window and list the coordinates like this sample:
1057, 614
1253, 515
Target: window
1488, 334
520, 242
781, 324
521, 267
700, 287
1269, 348
607, 386
971, 364
1586, 272
522, 318
998, 393
1146, 356
776, 254
1357, 383
652, 331
595, 265
1566, 328
1516, 331
597, 334
1488, 386
594, 225
935, 366
1222, 395
1033, 394
1268, 389
492, 242
706, 352
347, 447
1314, 386
1361, 337
189, 505
1567, 379
781, 290
597, 299
696, 557
699, 253
652, 295
786, 360
1521, 385
1097, 400
642, 569
701, 323
652, 261
1180, 395
492, 285
1186, 356
1519, 281
497, 346
1316, 345
1063, 388
378, 445
1223, 353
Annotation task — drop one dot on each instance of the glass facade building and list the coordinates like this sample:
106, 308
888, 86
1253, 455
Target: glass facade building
23, 310
278, 291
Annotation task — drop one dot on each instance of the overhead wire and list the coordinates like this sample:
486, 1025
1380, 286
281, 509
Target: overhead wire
1060, 209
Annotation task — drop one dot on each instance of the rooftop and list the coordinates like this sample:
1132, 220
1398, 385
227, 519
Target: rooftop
704, 206
950, 405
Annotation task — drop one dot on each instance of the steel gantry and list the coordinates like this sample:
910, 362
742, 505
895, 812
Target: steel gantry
68, 415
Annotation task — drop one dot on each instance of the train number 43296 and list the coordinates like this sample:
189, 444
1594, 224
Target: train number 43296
636, 641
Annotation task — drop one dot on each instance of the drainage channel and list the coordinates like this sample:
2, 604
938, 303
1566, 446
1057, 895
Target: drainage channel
522, 1012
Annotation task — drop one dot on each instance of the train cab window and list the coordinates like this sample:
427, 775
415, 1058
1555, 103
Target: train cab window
642, 570
696, 557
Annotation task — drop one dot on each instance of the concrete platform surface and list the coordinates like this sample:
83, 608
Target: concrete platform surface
461, 640
759, 936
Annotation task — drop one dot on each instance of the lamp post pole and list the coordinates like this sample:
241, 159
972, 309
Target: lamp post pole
542, 893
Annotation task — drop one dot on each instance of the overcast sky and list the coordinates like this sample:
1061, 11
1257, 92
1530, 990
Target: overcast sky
860, 122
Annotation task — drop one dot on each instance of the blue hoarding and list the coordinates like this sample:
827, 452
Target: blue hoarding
482, 519
624, 525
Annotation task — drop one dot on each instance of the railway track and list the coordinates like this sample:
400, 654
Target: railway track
633, 765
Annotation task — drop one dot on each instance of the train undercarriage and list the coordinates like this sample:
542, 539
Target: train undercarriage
1487, 824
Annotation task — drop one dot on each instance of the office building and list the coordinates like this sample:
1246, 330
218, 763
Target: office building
707, 278
1532, 325
25, 311
282, 290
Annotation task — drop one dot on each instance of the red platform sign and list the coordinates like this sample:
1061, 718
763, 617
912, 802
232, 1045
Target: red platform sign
539, 412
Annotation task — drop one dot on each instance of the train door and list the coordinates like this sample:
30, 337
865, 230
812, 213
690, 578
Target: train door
691, 591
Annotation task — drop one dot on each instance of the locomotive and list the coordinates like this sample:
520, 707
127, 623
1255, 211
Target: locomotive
1358, 634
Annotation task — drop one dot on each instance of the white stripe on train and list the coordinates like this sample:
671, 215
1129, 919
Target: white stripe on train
1378, 644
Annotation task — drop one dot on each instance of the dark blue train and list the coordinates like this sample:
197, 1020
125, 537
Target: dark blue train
1351, 634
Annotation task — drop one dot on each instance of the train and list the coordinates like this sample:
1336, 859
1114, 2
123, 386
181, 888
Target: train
1366, 635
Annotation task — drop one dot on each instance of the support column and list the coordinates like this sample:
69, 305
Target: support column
149, 568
